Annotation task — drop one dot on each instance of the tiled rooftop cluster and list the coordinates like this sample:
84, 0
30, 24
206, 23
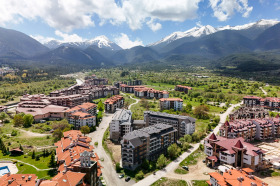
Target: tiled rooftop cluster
268, 102
111, 104
249, 113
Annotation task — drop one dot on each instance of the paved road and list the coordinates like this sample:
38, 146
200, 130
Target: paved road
174, 164
108, 170
264, 92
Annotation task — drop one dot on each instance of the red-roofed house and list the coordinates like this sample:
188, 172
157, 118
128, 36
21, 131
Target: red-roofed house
234, 177
111, 104
235, 152
150, 93
171, 103
65, 179
18, 180
182, 88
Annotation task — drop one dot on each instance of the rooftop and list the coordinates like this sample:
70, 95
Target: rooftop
163, 114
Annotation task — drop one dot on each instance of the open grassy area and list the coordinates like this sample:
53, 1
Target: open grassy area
104, 144
199, 183
26, 169
168, 182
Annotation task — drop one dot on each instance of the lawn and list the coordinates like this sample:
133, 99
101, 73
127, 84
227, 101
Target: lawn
168, 182
199, 183
26, 169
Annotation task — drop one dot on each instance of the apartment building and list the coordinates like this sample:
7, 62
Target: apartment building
182, 88
128, 88
183, 124
121, 124
111, 104
271, 103
82, 115
69, 101
146, 143
234, 177
235, 152
74, 153
129, 83
260, 129
171, 103
150, 93
93, 80
249, 113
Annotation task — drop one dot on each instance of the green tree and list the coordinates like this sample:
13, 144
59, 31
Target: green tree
85, 130
52, 162
188, 107
118, 168
27, 120
18, 120
57, 134
161, 162
195, 137
188, 138
99, 117
145, 164
208, 127
3, 116
33, 154
173, 151
186, 146
100, 106
201, 112
139, 175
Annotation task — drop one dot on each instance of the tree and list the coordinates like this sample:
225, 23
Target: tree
208, 127
118, 168
139, 175
201, 112
3, 116
188, 108
185, 146
52, 162
20, 147
99, 117
173, 151
27, 120
145, 164
161, 162
85, 130
188, 138
100, 106
33, 154
57, 134
18, 120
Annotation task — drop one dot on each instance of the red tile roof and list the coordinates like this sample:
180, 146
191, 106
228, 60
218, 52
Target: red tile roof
18, 179
213, 137
239, 145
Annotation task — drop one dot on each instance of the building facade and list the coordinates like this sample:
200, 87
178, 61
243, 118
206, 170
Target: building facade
260, 129
235, 152
271, 103
146, 143
183, 124
121, 124
171, 103
129, 89
182, 88
249, 113
150, 93
111, 104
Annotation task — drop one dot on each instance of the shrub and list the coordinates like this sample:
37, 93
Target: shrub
37, 158
96, 143
14, 133
21, 164
139, 175
118, 168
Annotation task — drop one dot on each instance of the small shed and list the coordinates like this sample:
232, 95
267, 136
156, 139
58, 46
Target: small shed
16, 152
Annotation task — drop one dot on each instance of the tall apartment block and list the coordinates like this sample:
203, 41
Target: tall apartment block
146, 143
112, 103
183, 124
171, 103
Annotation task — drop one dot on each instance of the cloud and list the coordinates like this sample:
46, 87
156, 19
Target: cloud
66, 15
225, 9
124, 41
42, 39
68, 37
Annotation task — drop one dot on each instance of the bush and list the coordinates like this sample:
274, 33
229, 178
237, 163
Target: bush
275, 174
139, 175
14, 133
14, 161
21, 164
37, 158
118, 168
96, 143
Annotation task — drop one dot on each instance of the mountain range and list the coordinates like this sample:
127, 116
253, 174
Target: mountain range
206, 42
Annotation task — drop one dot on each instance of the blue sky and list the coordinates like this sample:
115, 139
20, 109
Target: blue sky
127, 22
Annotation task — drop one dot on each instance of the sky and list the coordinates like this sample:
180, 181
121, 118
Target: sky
127, 22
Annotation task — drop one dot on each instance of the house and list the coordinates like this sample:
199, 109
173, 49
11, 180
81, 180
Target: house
16, 152
146, 143
234, 177
65, 179
182, 88
18, 180
74, 153
111, 104
171, 103
235, 152
150, 93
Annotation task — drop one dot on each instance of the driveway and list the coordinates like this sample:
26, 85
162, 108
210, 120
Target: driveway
108, 170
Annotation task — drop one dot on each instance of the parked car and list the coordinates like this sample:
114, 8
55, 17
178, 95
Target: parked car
203, 161
121, 176
185, 167
127, 179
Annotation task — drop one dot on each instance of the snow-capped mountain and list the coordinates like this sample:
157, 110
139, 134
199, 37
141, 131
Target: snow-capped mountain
197, 32
100, 42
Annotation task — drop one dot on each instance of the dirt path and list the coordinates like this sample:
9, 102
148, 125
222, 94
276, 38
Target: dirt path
33, 134
264, 92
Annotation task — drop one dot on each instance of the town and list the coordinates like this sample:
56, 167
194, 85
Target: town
98, 140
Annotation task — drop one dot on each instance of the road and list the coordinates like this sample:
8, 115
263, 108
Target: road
174, 164
108, 170
264, 92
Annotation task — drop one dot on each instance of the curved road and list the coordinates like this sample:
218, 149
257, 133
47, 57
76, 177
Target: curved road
174, 164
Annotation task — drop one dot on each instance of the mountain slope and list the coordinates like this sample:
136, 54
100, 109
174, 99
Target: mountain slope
269, 39
100, 42
14, 43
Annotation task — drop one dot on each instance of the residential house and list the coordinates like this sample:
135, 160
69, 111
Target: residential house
182, 88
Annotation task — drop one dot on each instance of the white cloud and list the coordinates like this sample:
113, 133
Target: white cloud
224, 9
124, 41
68, 37
42, 39
66, 15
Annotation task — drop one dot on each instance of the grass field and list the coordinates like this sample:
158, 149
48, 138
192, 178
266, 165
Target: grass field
199, 183
168, 182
